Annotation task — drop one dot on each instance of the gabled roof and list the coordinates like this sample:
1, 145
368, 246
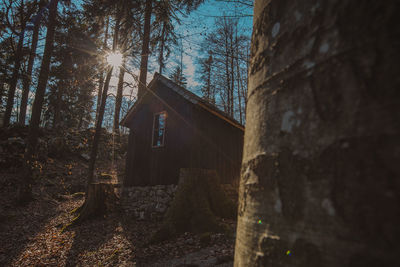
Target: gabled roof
187, 95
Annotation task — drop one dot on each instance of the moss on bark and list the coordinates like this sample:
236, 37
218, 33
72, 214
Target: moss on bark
198, 202
99, 200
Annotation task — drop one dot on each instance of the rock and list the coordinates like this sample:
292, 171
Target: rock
161, 208
85, 156
160, 193
144, 207
158, 187
189, 241
224, 259
80, 146
164, 200
141, 215
135, 195
17, 140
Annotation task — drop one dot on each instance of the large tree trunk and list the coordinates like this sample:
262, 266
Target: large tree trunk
232, 71
96, 193
1, 92
100, 199
14, 77
162, 45
145, 49
320, 174
197, 202
99, 122
25, 189
97, 135
118, 99
28, 77
101, 77
57, 106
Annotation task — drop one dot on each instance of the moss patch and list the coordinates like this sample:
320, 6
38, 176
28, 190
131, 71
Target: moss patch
198, 201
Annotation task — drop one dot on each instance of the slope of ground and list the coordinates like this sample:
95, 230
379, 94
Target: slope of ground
32, 235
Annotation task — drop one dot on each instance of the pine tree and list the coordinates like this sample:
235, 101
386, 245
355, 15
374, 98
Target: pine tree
178, 77
70, 100
36, 21
25, 192
17, 65
166, 11
206, 72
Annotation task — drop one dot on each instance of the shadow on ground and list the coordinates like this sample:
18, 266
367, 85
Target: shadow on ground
19, 224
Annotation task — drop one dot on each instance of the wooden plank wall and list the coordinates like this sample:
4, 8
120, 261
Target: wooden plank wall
194, 138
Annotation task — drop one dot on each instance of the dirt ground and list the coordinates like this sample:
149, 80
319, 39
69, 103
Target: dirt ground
32, 235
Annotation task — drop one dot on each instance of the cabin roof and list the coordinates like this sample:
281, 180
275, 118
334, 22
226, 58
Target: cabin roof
187, 95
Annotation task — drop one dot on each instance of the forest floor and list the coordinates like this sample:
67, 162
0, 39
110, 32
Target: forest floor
32, 235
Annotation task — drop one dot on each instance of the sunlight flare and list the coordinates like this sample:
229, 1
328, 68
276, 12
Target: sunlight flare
114, 59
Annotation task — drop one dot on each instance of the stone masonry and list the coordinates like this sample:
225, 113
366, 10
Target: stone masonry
151, 202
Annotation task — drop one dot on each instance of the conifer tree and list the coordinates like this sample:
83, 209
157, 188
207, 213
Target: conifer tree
36, 21
178, 77
25, 192
17, 64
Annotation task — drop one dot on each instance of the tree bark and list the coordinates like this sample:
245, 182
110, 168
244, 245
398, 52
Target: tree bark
145, 49
57, 107
1, 93
118, 99
28, 77
14, 77
99, 122
26, 188
101, 198
97, 135
197, 202
319, 183
239, 78
101, 78
231, 54
161, 55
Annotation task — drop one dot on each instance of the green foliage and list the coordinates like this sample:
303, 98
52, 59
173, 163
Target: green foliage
69, 100
178, 77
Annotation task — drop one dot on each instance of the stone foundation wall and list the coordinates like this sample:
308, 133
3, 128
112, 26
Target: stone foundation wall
147, 202
151, 202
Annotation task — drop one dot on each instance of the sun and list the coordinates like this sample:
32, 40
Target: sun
114, 59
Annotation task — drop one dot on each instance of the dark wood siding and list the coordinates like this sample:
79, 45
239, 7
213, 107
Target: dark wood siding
194, 138
219, 146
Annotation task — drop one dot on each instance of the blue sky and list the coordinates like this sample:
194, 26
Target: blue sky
200, 22
193, 29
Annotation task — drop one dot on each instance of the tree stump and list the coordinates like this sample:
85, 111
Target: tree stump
100, 199
197, 202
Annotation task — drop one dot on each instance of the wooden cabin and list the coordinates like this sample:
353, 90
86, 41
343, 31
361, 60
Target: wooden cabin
172, 128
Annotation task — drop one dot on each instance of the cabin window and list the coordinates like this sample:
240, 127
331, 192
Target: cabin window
159, 129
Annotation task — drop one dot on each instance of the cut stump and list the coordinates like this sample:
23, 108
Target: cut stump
196, 205
100, 199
